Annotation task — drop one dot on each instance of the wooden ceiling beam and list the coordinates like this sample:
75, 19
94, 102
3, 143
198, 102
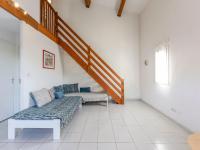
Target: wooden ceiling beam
87, 3
123, 2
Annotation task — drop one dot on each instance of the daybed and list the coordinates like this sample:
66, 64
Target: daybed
55, 115
53, 108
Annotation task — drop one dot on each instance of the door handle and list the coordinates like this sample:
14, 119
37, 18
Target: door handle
13, 80
20, 81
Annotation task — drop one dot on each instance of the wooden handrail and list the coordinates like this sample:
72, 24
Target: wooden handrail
110, 76
115, 97
110, 69
71, 44
103, 62
72, 31
48, 17
104, 77
72, 53
59, 25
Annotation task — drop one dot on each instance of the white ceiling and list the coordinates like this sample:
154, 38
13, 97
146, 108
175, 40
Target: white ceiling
8, 22
133, 6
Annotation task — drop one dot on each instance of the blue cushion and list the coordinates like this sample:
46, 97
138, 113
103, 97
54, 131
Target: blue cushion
33, 99
70, 88
59, 95
58, 88
85, 90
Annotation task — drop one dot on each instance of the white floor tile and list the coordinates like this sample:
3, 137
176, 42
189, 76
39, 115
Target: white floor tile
75, 128
145, 146
173, 147
106, 137
89, 137
106, 134
107, 146
87, 146
95, 127
126, 146
68, 146
168, 138
122, 134
30, 146
2, 144
71, 137
11, 146
49, 146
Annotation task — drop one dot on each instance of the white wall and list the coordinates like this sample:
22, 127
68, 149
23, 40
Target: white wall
178, 21
115, 39
73, 73
8, 36
33, 75
32, 7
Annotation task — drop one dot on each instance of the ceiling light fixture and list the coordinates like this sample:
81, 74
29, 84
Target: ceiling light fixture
25, 12
16, 5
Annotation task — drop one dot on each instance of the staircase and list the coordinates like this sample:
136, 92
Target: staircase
55, 28
82, 53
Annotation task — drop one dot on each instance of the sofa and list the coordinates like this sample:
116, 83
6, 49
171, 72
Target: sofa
48, 112
84, 92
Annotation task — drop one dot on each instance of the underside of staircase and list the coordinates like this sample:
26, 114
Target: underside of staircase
55, 28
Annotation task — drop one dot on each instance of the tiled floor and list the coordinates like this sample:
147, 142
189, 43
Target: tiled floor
133, 126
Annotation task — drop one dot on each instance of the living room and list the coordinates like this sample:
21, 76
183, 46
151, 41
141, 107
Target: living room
143, 61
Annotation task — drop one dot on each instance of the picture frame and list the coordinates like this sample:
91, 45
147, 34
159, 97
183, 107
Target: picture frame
48, 60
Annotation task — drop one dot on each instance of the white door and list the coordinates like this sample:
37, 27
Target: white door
9, 71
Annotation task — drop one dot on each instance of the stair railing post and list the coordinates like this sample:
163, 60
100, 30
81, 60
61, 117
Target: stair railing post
56, 24
122, 90
89, 57
41, 12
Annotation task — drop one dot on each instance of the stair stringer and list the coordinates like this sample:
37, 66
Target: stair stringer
90, 71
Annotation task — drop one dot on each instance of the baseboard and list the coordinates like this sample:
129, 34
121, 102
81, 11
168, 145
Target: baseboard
132, 99
180, 125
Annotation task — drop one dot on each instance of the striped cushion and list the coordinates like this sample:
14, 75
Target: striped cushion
70, 88
58, 88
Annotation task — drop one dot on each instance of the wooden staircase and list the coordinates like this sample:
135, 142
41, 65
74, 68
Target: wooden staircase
82, 53
55, 28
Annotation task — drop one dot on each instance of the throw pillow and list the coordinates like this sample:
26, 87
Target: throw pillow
51, 92
59, 95
85, 90
41, 97
58, 88
70, 88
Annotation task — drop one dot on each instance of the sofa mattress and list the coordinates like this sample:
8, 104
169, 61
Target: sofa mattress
88, 97
62, 109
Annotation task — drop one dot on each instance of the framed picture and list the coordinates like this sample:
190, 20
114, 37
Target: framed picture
48, 60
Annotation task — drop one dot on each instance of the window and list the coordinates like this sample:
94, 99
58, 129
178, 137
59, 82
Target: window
162, 65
